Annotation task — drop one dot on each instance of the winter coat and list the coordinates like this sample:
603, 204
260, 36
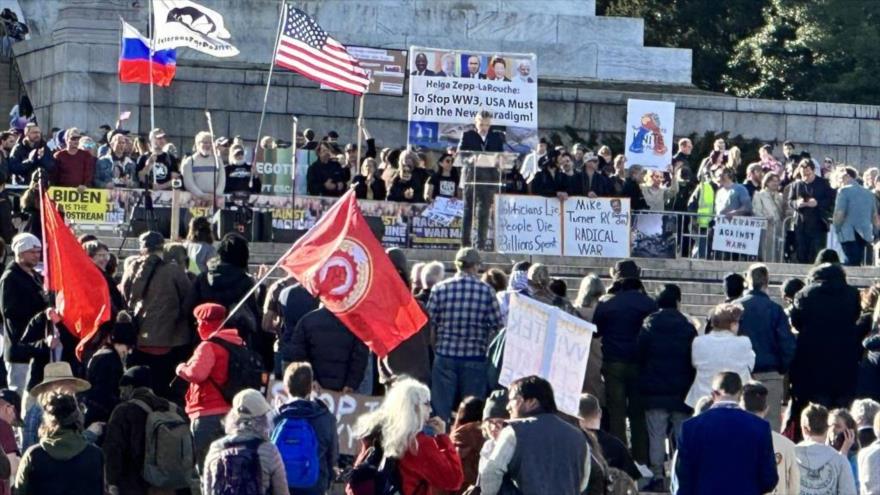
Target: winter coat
468, 440
61, 464
21, 164
324, 424
125, 442
104, 371
33, 349
155, 291
433, 463
226, 284
665, 369
338, 358
718, 351
619, 318
206, 371
869, 368
828, 350
633, 191
21, 298
765, 323
273, 478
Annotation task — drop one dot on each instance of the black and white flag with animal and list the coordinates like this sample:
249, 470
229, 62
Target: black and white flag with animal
182, 23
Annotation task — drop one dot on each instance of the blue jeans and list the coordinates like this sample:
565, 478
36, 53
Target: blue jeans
854, 251
454, 379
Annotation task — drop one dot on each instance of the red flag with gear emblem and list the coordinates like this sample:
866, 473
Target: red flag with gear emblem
340, 261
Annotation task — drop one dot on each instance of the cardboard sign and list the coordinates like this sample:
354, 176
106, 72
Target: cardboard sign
741, 235
649, 126
528, 225
546, 341
596, 227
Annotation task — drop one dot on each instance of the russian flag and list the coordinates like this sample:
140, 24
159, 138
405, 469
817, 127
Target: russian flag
135, 64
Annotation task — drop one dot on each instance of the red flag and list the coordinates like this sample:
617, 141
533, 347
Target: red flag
340, 261
82, 297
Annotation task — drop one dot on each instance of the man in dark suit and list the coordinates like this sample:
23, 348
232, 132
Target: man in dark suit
422, 66
726, 450
479, 140
474, 68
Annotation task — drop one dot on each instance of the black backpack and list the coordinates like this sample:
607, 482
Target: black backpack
375, 474
245, 369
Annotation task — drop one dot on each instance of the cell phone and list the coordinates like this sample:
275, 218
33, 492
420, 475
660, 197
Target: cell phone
838, 441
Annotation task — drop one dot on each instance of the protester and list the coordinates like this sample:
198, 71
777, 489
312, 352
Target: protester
589, 293
431, 274
517, 283
540, 452
444, 183
207, 372
64, 461
855, 217
766, 325
823, 470
57, 378
113, 168
769, 204
722, 350
467, 436
632, 188
245, 461
665, 375
157, 167
863, 412
30, 154
869, 464
734, 285
155, 290
106, 367
842, 435
239, 176
73, 167
723, 440
326, 177
618, 318
201, 178
367, 184
11, 453
401, 428
613, 450
755, 400
465, 315
731, 199
100, 254
127, 439
496, 279
303, 421
812, 198
200, 244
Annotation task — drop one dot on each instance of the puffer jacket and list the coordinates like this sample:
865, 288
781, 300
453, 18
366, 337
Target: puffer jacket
206, 371
154, 290
665, 371
338, 358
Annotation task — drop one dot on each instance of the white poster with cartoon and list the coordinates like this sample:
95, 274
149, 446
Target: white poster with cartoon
649, 126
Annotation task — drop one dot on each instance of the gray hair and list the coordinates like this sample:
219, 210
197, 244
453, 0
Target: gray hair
432, 273
415, 275
589, 292
864, 411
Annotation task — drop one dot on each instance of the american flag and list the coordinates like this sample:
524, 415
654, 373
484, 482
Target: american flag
306, 48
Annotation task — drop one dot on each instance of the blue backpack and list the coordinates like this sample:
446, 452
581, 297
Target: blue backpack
296, 441
237, 471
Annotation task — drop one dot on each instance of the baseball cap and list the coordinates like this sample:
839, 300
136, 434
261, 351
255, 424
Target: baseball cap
157, 133
12, 398
221, 141
25, 242
468, 255
250, 404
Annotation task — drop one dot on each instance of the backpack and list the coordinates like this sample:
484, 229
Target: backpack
617, 482
168, 448
244, 369
237, 470
375, 474
297, 443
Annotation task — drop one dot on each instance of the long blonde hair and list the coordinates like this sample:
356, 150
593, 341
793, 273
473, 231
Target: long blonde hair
589, 292
399, 418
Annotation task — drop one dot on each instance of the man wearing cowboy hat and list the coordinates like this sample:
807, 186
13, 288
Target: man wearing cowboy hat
57, 379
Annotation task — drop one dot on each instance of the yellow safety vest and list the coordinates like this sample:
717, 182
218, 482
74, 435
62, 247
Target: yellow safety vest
706, 204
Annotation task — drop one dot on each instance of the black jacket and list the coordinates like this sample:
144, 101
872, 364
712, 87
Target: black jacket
103, 372
828, 348
815, 219
318, 173
869, 368
633, 191
360, 187
581, 184
226, 284
399, 187
33, 349
619, 319
471, 141
21, 298
324, 424
338, 358
666, 372
21, 164
125, 442
64, 464
547, 185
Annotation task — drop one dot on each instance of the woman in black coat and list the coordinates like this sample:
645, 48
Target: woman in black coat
869, 368
106, 367
367, 185
632, 188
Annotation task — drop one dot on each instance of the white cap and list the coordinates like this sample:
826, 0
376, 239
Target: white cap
25, 242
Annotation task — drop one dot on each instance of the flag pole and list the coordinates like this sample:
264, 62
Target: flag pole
150, 63
256, 286
118, 82
360, 131
266, 94
293, 161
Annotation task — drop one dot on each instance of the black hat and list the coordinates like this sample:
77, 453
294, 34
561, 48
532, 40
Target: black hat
137, 376
496, 405
12, 397
333, 135
125, 333
625, 269
234, 250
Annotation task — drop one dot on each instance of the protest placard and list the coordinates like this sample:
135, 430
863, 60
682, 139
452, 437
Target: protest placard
596, 227
741, 235
528, 225
91, 206
448, 88
654, 235
649, 126
543, 340
276, 172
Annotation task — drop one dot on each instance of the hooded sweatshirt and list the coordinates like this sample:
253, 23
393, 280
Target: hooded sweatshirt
823, 470
319, 418
207, 370
62, 463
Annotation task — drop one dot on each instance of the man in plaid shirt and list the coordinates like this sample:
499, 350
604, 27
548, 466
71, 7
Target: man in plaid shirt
465, 316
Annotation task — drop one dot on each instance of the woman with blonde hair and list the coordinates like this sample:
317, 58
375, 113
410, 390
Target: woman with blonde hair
402, 429
734, 158
589, 292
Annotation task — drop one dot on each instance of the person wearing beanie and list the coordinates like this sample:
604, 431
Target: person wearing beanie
106, 366
618, 319
21, 298
247, 433
789, 288
226, 284
63, 461
125, 434
206, 371
154, 289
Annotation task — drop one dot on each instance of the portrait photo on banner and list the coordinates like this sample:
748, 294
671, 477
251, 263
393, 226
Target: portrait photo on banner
449, 88
649, 131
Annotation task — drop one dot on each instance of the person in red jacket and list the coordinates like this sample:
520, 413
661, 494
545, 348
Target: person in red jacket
206, 371
426, 456
73, 167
